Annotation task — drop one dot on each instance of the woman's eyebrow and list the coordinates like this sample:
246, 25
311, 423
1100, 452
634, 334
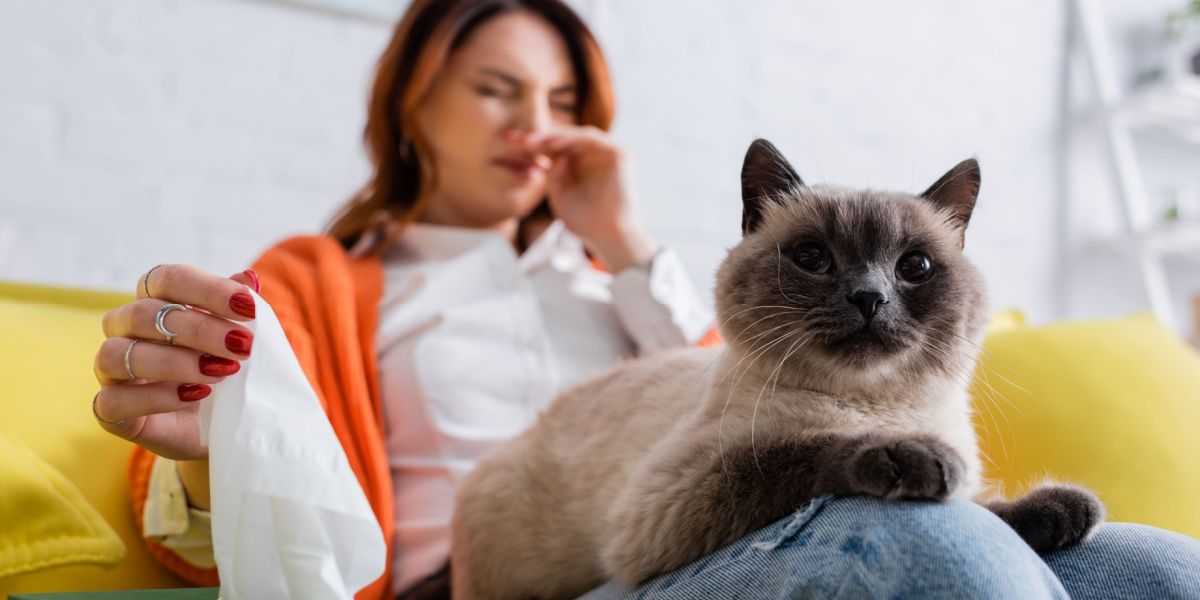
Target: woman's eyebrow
515, 81
507, 78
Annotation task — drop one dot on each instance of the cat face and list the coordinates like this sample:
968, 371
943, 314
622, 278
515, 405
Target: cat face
848, 279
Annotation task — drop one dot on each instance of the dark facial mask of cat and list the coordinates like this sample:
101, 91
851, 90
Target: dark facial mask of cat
844, 280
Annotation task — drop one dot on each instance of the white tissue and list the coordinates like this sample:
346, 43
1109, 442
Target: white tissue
289, 518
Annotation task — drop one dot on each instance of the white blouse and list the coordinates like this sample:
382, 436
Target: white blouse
475, 341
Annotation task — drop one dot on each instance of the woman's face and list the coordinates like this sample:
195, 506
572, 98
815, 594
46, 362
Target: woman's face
512, 72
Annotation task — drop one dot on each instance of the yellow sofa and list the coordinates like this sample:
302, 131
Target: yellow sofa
49, 340
1110, 404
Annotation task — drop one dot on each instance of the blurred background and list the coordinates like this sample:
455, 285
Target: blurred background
134, 132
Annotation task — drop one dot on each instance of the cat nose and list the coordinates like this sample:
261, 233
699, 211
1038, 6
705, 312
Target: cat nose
867, 302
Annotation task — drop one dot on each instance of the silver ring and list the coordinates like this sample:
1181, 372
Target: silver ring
102, 419
146, 280
162, 315
128, 367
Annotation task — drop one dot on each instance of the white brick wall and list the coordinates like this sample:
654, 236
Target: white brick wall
142, 131
134, 132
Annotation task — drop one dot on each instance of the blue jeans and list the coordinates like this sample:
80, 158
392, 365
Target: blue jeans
860, 547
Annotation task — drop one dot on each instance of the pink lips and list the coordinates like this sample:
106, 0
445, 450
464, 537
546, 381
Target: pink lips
522, 167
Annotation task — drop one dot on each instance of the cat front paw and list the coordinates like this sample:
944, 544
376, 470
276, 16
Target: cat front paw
1053, 515
919, 467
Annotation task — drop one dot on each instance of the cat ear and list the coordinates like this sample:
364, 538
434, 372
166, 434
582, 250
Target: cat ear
956, 192
766, 177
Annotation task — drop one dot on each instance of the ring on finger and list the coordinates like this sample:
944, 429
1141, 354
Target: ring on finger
162, 315
146, 280
100, 418
129, 367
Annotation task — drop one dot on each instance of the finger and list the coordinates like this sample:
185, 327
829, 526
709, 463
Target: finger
556, 178
548, 147
570, 140
186, 284
193, 329
159, 362
248, 277
125, 401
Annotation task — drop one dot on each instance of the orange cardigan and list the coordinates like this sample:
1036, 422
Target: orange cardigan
327, 303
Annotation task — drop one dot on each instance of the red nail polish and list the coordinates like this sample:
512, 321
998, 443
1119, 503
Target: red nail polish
191, 392
217, 366
239, 341
242, 304
253, 277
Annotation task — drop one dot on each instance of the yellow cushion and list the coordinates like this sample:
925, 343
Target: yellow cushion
1113, 405
50, 338
46, 521
1006, 320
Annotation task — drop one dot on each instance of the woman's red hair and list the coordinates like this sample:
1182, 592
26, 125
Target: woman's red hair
424, 38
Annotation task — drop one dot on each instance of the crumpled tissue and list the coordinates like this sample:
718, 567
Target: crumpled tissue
289, 518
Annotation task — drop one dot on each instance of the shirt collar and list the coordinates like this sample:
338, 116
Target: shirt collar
425, 241
437, 242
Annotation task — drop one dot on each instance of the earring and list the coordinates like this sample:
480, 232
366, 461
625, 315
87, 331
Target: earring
405, 150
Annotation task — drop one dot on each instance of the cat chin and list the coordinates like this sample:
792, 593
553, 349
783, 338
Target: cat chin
858, 368
865, 345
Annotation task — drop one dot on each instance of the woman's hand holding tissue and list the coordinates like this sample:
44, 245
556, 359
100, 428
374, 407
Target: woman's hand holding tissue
149, 380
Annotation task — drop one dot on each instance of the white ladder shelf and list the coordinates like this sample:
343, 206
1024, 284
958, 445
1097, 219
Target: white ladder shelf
1172, 108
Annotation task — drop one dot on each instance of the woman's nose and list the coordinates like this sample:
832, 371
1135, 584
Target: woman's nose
535, 115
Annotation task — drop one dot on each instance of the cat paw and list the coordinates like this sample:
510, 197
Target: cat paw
1053, 516
913, 467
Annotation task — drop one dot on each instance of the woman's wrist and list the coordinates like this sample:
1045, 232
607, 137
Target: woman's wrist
629, 247
194, 476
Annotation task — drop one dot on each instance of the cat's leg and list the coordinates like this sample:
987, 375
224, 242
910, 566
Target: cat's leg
1052, 516
511, 538
701, 498
494, 537
476, 570
920, 467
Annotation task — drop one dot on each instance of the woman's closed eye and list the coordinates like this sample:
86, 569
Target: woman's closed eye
565, 103
494, 92
567, 106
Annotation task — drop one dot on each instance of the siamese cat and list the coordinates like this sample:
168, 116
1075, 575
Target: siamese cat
853, 324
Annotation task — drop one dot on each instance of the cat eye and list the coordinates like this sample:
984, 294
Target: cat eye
915, 267
812, 257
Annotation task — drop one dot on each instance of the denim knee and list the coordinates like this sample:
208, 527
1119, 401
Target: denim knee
916, 549
860, 547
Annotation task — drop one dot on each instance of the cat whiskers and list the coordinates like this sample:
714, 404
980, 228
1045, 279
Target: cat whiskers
752, 351
729, 397
773, 379
750, 341
984, 353
746, 310
781, 312
762, 333
964, 378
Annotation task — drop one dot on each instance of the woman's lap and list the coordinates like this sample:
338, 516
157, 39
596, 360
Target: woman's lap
855, 547
1127, 560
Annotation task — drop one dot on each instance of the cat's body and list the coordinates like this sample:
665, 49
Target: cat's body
666, 459
547, 515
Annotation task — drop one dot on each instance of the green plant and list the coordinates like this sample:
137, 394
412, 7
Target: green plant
1185, 18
